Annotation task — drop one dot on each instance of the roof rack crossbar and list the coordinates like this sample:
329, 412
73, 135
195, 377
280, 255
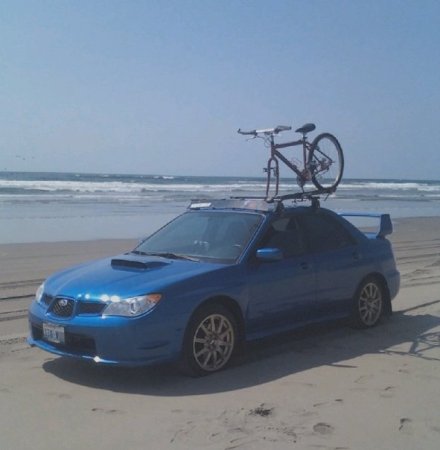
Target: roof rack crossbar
305, 195
262, 203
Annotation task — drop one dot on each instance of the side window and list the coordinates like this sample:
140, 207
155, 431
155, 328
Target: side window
284, 234
325, 233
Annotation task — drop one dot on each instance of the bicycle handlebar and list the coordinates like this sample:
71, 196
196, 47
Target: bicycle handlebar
280, 128
240, 131
267, 131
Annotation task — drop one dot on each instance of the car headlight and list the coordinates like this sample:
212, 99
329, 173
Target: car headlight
39, 293
131, 307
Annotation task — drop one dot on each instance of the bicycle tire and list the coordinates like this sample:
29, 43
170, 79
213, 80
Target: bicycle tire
326, 148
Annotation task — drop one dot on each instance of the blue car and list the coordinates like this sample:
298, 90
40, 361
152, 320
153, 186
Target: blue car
222, 273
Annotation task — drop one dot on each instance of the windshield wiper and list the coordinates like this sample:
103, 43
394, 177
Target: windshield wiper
168, 255
171, 255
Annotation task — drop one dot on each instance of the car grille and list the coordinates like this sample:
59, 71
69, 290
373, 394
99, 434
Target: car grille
62, 307
79, 342
91, 307
37, 332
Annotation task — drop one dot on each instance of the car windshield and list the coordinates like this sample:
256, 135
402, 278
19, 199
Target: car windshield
210, 235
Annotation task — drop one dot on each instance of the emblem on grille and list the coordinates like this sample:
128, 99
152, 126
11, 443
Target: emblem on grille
63, 307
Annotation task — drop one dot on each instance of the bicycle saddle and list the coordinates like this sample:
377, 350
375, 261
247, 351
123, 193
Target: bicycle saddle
307, 128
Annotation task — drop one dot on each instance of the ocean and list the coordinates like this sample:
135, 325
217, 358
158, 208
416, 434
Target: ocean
40, 207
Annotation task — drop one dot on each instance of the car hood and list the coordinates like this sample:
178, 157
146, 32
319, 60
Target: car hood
126, 276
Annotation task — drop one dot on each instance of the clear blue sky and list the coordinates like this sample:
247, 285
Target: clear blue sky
161, 86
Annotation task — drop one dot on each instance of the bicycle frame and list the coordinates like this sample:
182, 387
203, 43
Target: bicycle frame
273, 164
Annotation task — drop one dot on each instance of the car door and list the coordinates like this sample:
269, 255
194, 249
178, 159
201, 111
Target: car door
337, 260
281, 292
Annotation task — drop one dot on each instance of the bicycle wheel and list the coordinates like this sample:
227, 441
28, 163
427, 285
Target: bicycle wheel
326, 162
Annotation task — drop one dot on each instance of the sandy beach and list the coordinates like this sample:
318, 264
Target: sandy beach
326, 387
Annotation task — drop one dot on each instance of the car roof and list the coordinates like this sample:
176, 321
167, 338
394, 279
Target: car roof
251, 205
248, 204
272, 209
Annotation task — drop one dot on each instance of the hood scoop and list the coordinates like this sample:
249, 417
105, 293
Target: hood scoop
123, 263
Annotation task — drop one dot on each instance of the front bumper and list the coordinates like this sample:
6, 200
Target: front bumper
110, 340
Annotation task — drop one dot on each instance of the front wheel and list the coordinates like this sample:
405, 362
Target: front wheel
368, 304
326, 162
210, 340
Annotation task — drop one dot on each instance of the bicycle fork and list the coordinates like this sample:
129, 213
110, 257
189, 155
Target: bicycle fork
272, 169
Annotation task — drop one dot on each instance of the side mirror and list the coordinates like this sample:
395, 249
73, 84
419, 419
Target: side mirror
269, 254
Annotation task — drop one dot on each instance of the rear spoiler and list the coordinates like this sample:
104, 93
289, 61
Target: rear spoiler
385, 224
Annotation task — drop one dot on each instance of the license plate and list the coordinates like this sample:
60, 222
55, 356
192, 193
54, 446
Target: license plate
53, 333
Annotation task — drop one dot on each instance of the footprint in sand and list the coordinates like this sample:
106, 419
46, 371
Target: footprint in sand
261, 411
405, 424
323, 428
59, 395
107, 411
388, 392
320, 404
363, 379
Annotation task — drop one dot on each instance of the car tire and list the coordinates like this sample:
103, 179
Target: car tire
210, 341
368, 303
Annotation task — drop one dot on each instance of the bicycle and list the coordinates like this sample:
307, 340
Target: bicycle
322, 164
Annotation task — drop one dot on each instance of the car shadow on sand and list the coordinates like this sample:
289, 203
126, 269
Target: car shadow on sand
267, 360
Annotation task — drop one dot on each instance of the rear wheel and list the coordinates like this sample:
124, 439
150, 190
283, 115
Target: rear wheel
210, 340
369, 303
326, 162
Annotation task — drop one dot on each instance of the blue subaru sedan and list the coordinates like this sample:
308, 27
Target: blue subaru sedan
222, 273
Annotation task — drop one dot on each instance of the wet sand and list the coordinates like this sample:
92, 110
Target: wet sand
326, 387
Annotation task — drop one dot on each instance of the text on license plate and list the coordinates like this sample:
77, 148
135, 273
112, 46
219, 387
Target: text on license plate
53, 333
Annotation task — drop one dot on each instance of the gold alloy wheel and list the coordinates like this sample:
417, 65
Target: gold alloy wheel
213, 342
370, 303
